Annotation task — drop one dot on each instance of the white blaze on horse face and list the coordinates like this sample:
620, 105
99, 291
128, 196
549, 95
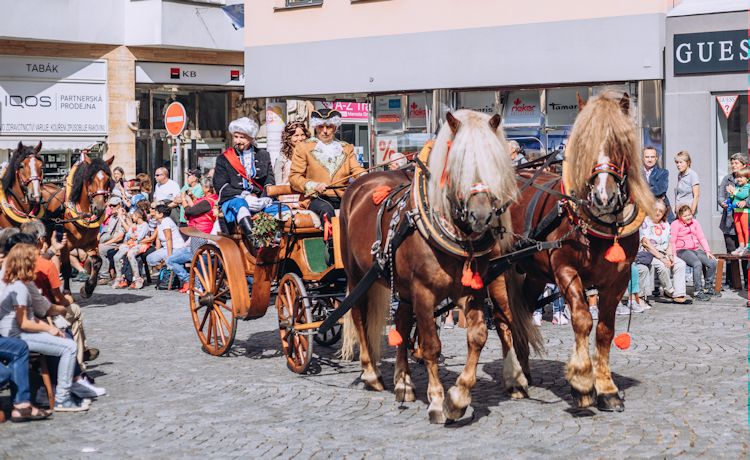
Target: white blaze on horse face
601, 179
34, 177
100, 175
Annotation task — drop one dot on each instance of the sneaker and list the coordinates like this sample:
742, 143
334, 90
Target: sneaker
92, 389
185, 288
594, 310
738, 251
683, 300
70, 405
137, 283
701, 296
559, 319
537, 319
644, 305
622, 310
637, 308
81, 390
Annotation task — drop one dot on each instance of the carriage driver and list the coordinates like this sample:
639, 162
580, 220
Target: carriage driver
241, 174
322, 164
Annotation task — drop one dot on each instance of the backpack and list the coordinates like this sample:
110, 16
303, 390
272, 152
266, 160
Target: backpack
163, 282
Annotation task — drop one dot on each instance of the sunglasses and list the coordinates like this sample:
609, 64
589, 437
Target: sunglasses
157, 175
114, 205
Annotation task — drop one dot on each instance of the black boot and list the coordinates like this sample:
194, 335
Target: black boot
246, 225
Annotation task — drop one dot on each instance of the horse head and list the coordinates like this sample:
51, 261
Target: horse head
602, 161
473, 178
25, 170
94, 181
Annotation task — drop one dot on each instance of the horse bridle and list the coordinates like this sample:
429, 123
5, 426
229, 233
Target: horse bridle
460, 209
24, 183
620, 176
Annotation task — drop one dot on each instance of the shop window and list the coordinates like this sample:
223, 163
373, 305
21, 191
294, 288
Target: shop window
731, 131
144, 112
212, 114
418, 111
650, 96
402, 124
482, 101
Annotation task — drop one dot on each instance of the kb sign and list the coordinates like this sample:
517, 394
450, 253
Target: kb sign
711, 52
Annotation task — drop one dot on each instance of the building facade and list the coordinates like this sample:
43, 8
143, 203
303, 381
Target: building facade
706, 96
91, 74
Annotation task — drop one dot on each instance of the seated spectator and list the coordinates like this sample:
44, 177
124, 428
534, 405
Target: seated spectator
656, 255
17, 320
119, 189
200, 215
111, 234
140, 190
193, 189
16, 353
132, 246
168, 236
690, 245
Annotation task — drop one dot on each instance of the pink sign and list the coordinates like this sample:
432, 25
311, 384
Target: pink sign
351, 110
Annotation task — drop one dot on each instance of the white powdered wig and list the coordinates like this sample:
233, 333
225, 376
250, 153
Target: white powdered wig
333, 121
245, 126
477, 154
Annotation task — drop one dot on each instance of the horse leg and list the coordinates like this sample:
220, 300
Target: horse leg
423, 303
459, 396
404, 387
88, 288
516, 382
370, 375
579, 371
608, 398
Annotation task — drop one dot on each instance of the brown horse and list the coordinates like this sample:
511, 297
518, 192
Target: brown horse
79, 207
602, 170
470, 180
20, 196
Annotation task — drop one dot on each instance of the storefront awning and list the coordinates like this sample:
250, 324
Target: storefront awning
64, 143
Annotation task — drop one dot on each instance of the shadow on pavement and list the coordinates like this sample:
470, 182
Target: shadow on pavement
104, 300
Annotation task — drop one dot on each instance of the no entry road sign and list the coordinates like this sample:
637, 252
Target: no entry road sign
175, 119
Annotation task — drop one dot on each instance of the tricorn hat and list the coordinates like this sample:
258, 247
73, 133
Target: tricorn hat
325, 117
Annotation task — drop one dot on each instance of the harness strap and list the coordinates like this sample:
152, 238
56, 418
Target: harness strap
530, 210
500, 265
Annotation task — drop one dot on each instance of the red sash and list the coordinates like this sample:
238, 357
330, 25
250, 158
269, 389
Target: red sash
234, 160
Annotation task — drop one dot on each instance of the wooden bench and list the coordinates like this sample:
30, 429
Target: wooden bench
735, 277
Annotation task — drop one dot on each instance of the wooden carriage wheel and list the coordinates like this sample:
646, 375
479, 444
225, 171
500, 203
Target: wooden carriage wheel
214, 317
294, 310
320, 309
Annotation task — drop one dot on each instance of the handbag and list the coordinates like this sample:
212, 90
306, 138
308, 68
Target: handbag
644, 258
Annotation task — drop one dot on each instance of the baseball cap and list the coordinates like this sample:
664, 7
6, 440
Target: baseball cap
114, 201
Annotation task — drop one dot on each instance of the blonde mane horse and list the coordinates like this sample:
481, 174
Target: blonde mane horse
471, 178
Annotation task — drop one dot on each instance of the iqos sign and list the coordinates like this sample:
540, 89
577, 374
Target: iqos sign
711, 52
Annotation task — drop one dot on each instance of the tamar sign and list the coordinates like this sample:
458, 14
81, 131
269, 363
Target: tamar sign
175, 119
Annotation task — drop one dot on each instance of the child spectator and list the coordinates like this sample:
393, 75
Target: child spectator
739, 195
690, 245
132, 247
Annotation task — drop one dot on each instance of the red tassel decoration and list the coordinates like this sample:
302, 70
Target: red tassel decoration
622, 341
476, 282
615, 253
327, 227
394, 338
381, 193
467, 276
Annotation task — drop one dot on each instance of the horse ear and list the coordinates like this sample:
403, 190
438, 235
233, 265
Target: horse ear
625, 104
495, 121
110, 161
581, 102
38, 147
452, 122
20, 146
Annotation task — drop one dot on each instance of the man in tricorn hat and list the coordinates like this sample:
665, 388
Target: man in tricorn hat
322, 164
241, 175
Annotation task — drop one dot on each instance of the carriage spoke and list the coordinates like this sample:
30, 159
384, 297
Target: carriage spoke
203, 321
223, 305
203, 272
210, 327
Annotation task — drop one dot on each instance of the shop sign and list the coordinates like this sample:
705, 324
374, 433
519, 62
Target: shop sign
562, 105
480, 101
189, 74
523, 109
40, 68
58, 108
727, 103
386, 146
418, 109
351, 111
711, 52
388, 112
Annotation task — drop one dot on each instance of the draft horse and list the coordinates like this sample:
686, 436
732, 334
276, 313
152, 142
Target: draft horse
469, 181
594, 211
21, 191
79, 207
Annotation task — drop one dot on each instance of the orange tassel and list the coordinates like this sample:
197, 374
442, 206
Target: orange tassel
615, 253
467, 276
394, 338
444, 175
327, 227
381, 193
622, 341
476, 282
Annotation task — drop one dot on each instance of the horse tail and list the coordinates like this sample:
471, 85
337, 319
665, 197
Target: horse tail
378, 302
525, 334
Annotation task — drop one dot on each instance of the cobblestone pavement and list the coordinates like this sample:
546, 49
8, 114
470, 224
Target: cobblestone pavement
684, 380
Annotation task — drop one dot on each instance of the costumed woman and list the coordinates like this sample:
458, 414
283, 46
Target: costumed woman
321, 165
241, 175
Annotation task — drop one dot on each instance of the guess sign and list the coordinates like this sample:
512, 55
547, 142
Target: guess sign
711, 52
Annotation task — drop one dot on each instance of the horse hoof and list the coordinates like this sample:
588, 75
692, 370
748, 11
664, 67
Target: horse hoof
373, 382
610, 402
436, 416
455, 403
85, 294
405, 393
517, 392
583, 400
452, 412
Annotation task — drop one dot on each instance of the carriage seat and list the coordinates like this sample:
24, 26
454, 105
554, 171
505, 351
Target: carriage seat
304, 221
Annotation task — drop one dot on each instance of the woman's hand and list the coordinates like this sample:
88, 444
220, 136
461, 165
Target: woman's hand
667, 261
320, 188
731, 189
55, 332
711, 256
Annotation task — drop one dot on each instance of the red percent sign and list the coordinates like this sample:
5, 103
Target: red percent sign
385, 147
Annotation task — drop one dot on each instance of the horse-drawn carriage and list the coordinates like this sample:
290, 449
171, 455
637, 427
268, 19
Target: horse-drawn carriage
231, 279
